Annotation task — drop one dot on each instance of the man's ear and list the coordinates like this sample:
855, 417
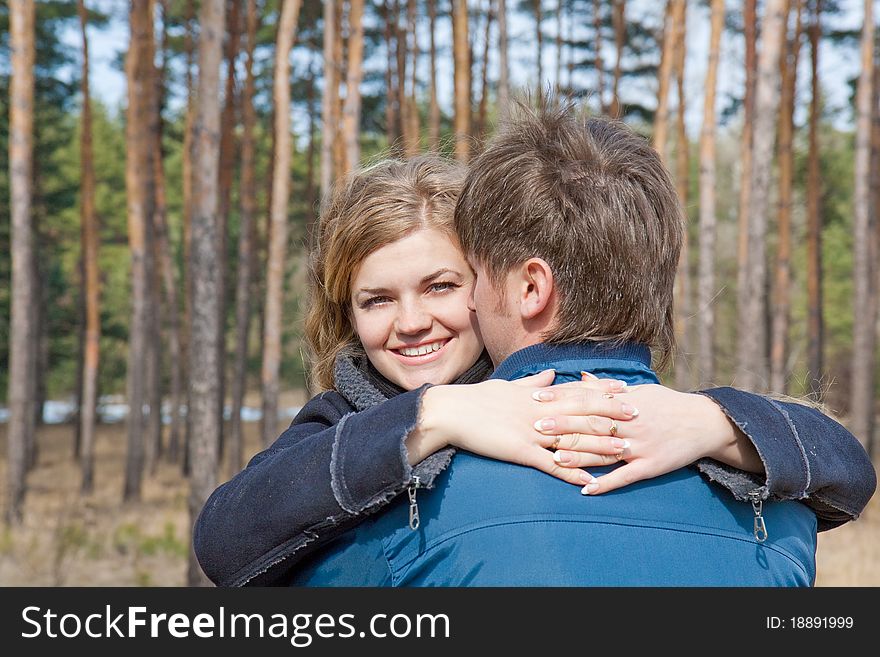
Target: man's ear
536, 287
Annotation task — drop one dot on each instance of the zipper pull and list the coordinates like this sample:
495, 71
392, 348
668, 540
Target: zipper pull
413, 505
760, 526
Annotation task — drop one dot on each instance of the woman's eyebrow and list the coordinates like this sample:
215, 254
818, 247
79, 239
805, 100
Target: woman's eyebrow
372, 290
438, 273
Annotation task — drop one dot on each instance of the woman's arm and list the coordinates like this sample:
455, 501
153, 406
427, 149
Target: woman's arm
333, 466
752, 445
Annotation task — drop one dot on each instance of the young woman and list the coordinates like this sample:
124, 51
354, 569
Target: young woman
388, 320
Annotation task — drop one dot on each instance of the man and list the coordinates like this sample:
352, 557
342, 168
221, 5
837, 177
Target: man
574, 229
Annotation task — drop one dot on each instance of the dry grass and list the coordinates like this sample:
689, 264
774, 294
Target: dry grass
71, 540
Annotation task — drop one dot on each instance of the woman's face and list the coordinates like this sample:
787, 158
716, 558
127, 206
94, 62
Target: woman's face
410, 308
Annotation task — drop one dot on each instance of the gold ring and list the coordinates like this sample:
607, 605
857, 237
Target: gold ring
613, 428
555, 442
607, 395
620, 456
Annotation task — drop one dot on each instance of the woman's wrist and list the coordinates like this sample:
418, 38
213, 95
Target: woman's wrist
729, 444
431, 433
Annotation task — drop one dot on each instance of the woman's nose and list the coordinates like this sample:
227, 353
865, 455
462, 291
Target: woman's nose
412, 318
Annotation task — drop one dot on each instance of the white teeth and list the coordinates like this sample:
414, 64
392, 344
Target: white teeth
421, 351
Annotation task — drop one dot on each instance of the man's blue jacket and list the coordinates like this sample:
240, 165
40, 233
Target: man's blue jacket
489, 523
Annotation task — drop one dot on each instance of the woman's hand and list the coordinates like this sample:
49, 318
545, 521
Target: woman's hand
503, 420
671, 430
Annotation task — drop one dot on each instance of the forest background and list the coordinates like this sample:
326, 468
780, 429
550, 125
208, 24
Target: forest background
188, 175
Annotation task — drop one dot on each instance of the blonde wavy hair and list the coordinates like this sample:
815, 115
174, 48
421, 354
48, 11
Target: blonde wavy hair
370, 208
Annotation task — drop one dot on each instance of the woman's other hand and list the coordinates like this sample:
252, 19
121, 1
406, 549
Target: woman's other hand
672, 429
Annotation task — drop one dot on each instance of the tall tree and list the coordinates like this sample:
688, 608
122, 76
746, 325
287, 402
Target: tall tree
682, 183
539, 41
433, 106
815, 323
503, 66
750, 32
618, 18
277, 245
351, 111
187, 175
138, 162
600, 64
782, 288
165, 260
329, 103
462, 80
228, 152
413, 142
92, 281
21, 148
708, 230
864, 310
483, 108
667, 59
392, 116
204, 367
752, 329
246, 245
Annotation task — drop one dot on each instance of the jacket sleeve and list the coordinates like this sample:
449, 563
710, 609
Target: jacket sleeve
329, 469
807, 456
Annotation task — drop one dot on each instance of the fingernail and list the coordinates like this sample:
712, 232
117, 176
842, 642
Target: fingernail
629, 410
548, 371
542, 395
589, 488
545, 424
618, 386
586, 376
562, 457
620, 442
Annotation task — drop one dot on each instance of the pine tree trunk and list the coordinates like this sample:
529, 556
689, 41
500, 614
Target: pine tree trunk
462, 80
503, 66
706, 287
329, 102
600, 64
558, 85
412, 112
750, 20
138, 161
392, 127
667, 59
351, 111
864, 270
815, 324
434, 106
92, 282
619, 21
187, 172
22, 333
205, 370
782, 288
246, 239
277, 245
752, 330
539, 43
482, 111
683, 305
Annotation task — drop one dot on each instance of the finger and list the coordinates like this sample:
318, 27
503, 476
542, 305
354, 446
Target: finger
585, 459
586, 442
539, 380
617, 478
595, 425
603, 385
542, 460
582, 402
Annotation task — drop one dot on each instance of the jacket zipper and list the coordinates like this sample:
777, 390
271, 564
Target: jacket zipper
413, 505
758, 507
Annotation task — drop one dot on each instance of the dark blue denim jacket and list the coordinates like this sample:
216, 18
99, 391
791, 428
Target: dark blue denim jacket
491, 523
343, 457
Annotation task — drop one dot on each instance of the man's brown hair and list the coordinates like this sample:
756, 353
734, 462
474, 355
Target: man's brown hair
591, 197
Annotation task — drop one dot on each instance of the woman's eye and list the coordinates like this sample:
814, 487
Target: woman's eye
373, 301
442, 287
